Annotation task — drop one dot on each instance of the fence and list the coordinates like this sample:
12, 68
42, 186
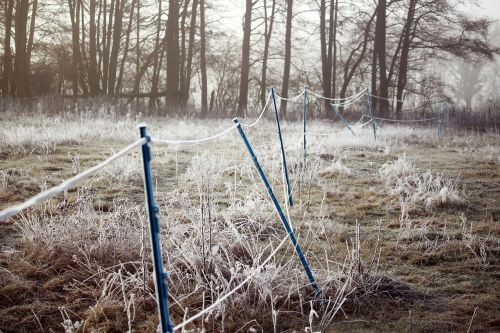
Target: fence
145, 141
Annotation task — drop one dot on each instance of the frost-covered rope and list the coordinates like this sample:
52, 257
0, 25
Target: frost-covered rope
402, 101
226, 296
362, 125
194, 141
213, 137
405, 121
348, 102
345, 99
290, 98
261, 113
45, 195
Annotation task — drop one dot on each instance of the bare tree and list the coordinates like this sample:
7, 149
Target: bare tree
468, 75
7, 56
156, 62
288, 55
268, 30
93, 76
172, 93
116, 44
245, 60
118, 87
380, 50
21, 75
403, 62
203, 61
189, 59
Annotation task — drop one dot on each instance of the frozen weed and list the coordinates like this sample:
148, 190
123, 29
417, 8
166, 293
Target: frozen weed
416, 189
336, 167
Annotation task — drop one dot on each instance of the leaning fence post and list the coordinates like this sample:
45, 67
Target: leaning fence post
369, 100
305, 126
285, 167
346, 123
160, 275
277, 206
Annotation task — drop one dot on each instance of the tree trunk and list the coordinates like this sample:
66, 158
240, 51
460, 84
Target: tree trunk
380, 40
173, 55
101, 42
189, 60
137, 50
334, 60
403, 62
83, 62
74, 12
203, 62
107, 48
146, 65
117, 33
20, 71
34, 5
267, 40
126, 50
7, 56
373, 89
245, 61
349, 70
183, 57
325, 62
155, 78
288, 56
212, 101
93, 81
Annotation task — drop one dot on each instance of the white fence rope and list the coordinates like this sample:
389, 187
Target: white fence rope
194, 141
257, 269
362, 125
226, 296
345, 99
45, 195
215, 136
349, 102
289, 98
405, 121
261, 113
402, 101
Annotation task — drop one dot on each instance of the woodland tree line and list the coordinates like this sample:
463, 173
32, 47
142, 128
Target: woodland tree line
172, 56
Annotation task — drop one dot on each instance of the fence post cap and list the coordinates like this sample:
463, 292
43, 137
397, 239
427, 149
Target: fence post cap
141, 125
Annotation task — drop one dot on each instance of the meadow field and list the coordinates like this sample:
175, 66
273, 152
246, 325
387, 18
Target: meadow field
402, 233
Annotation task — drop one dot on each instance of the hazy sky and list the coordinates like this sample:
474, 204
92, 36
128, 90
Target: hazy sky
233, 10
490, 8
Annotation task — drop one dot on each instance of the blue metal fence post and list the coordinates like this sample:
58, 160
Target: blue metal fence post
283, 157
374, 123
283, 219
305, 126
160, 275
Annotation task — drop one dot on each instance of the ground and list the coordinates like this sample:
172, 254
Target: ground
402, 233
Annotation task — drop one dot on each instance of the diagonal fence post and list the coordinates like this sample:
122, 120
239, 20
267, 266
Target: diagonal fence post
335, 107
160, 275
370, 108
283, 157
278, 208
